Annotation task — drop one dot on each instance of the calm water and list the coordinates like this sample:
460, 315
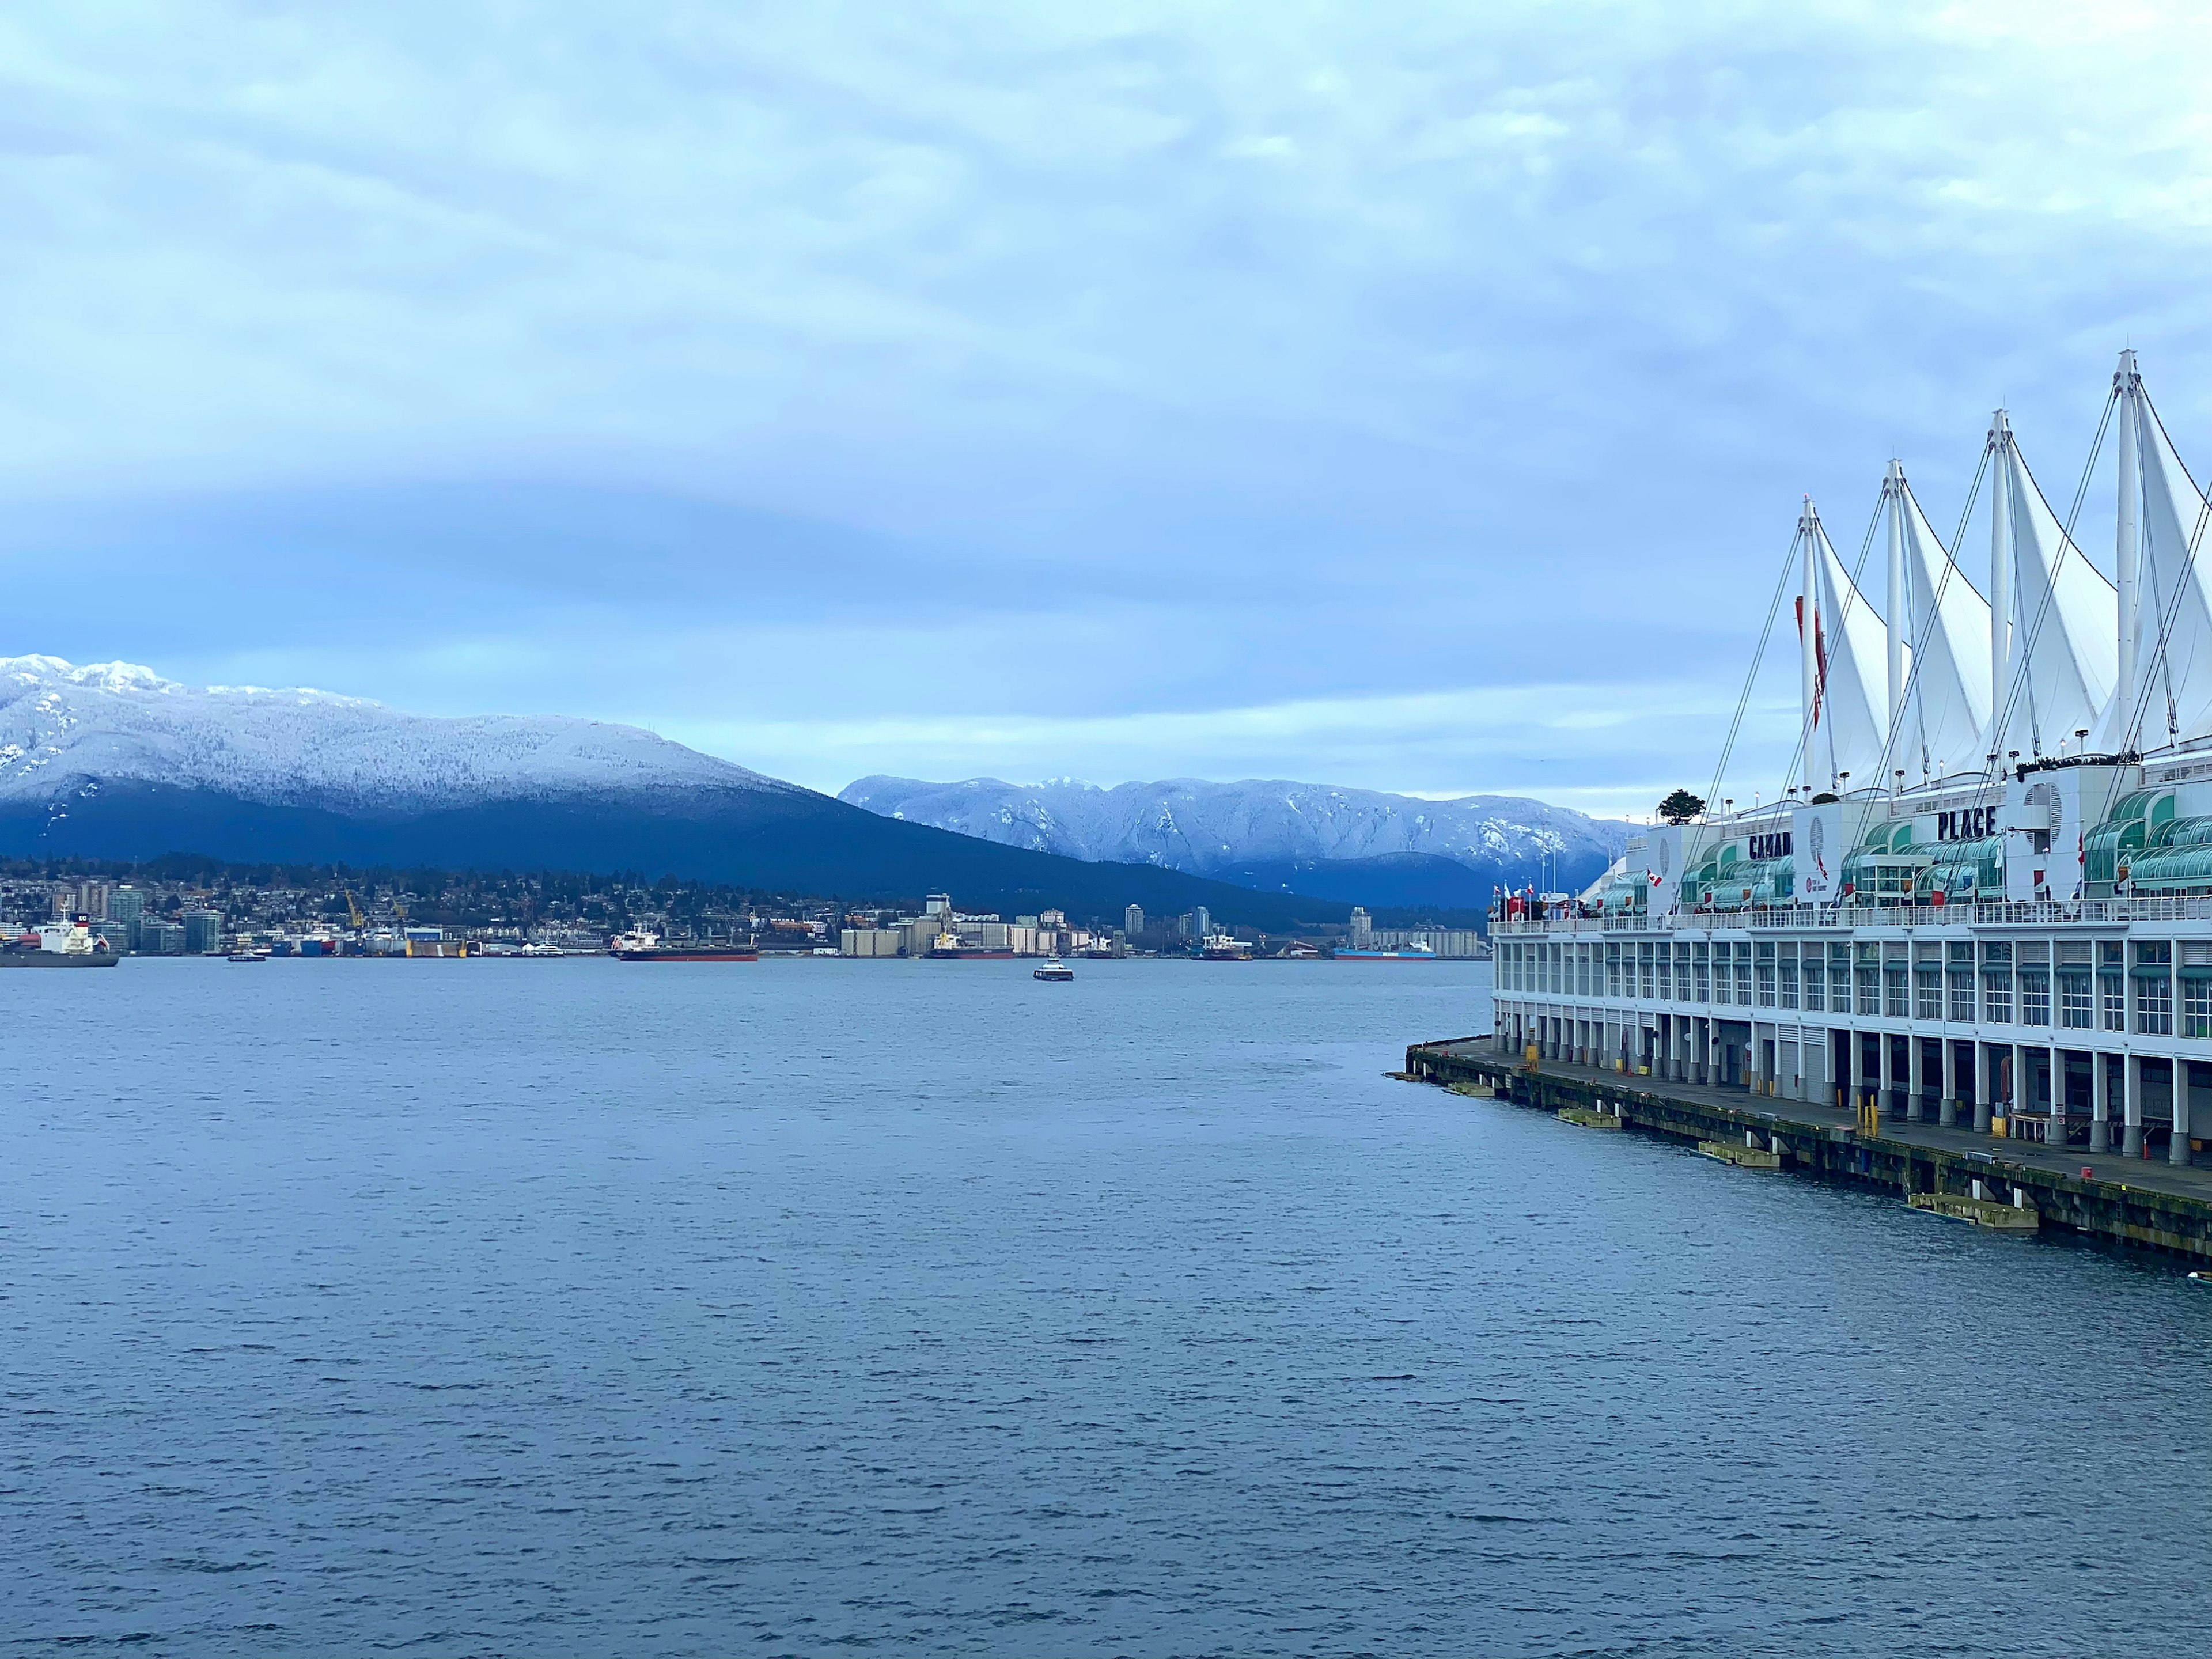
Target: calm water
573, 1308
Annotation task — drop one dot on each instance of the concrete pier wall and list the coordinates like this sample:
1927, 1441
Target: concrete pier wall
2108, 1199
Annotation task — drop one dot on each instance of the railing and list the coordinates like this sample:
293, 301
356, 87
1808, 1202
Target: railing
2112, 912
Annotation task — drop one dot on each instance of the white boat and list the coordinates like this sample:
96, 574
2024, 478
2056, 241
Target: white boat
58, 944
1054, 968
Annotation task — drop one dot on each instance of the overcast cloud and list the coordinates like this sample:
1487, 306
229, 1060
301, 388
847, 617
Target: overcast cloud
1413, 399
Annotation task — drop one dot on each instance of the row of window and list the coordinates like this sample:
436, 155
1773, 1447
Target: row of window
2122, 986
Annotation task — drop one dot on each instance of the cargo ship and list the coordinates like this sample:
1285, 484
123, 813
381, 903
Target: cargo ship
650, 947
1983, 896
1416, 951
58, 944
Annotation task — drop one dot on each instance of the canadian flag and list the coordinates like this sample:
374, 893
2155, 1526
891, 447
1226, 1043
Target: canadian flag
1656, 878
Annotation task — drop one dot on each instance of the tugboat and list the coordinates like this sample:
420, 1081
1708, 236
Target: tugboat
1054, 968
643, 946
58, 944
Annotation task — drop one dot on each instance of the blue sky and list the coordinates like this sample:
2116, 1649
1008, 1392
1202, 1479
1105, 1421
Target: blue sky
1411, 398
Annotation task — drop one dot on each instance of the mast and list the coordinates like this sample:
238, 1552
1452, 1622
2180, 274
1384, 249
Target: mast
1808, 650
2127, 382
1892, 491
2000, 582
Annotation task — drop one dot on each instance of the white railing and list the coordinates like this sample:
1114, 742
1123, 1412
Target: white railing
1802, 917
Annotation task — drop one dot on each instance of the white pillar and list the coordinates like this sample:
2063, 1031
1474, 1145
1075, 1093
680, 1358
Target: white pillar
1892, 487
2178, 1152
1808, 661
2000, 581
1915, 1078
1985, 1085
2131, 1107
2055, 1134
2100, 1104
2125, 551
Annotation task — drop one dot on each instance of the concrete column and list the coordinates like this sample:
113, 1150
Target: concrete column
1885, 1081
1947, 1114
2101, 1089
1985, 1085
2131, 1107
1915, 1076
2178, 1152
2056, 1135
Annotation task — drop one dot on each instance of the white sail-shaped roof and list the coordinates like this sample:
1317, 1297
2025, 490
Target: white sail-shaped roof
2066, 625
2173, 630
1947, 707
1854, 697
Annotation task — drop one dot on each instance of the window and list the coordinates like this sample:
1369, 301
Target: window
1743, 975
1643, 965
1962, 996
2154, 978
1894, 993
2196, 1007
1996, 996
1790, 979
2074, 1000
1927, 992
1613, 970
1701, 970
2035, 996
1766, 984
1869, 990
1582, 970
1816, 987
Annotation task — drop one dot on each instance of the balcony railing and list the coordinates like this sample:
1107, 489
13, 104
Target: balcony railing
2114, 912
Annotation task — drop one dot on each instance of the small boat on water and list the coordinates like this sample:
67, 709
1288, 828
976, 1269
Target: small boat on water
642, 946
1054, 968
2199, 1277
58, 944
248, 953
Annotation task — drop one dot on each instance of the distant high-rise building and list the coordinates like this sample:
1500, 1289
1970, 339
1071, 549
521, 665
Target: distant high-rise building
1363, 929
161, 938
1132, 920
91, 899
1201, 922
125, 906
203, 932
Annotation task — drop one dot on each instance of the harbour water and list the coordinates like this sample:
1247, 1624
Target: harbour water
556, 1308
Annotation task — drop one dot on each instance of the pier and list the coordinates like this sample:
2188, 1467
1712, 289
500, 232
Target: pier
1960, 1173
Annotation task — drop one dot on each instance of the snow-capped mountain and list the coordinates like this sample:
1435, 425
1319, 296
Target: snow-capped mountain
114, 762
1223, 828
61, 727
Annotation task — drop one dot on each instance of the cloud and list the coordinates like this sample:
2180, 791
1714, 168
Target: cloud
1006, 365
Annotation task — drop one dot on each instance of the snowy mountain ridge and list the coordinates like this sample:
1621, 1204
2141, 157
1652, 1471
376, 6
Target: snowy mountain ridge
1202, 828
63, 727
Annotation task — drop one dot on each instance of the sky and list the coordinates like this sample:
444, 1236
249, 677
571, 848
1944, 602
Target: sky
1416, 398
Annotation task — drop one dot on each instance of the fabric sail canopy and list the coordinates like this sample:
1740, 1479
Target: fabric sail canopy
1852, 707
2065, 626
2173, 625
1947, 707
